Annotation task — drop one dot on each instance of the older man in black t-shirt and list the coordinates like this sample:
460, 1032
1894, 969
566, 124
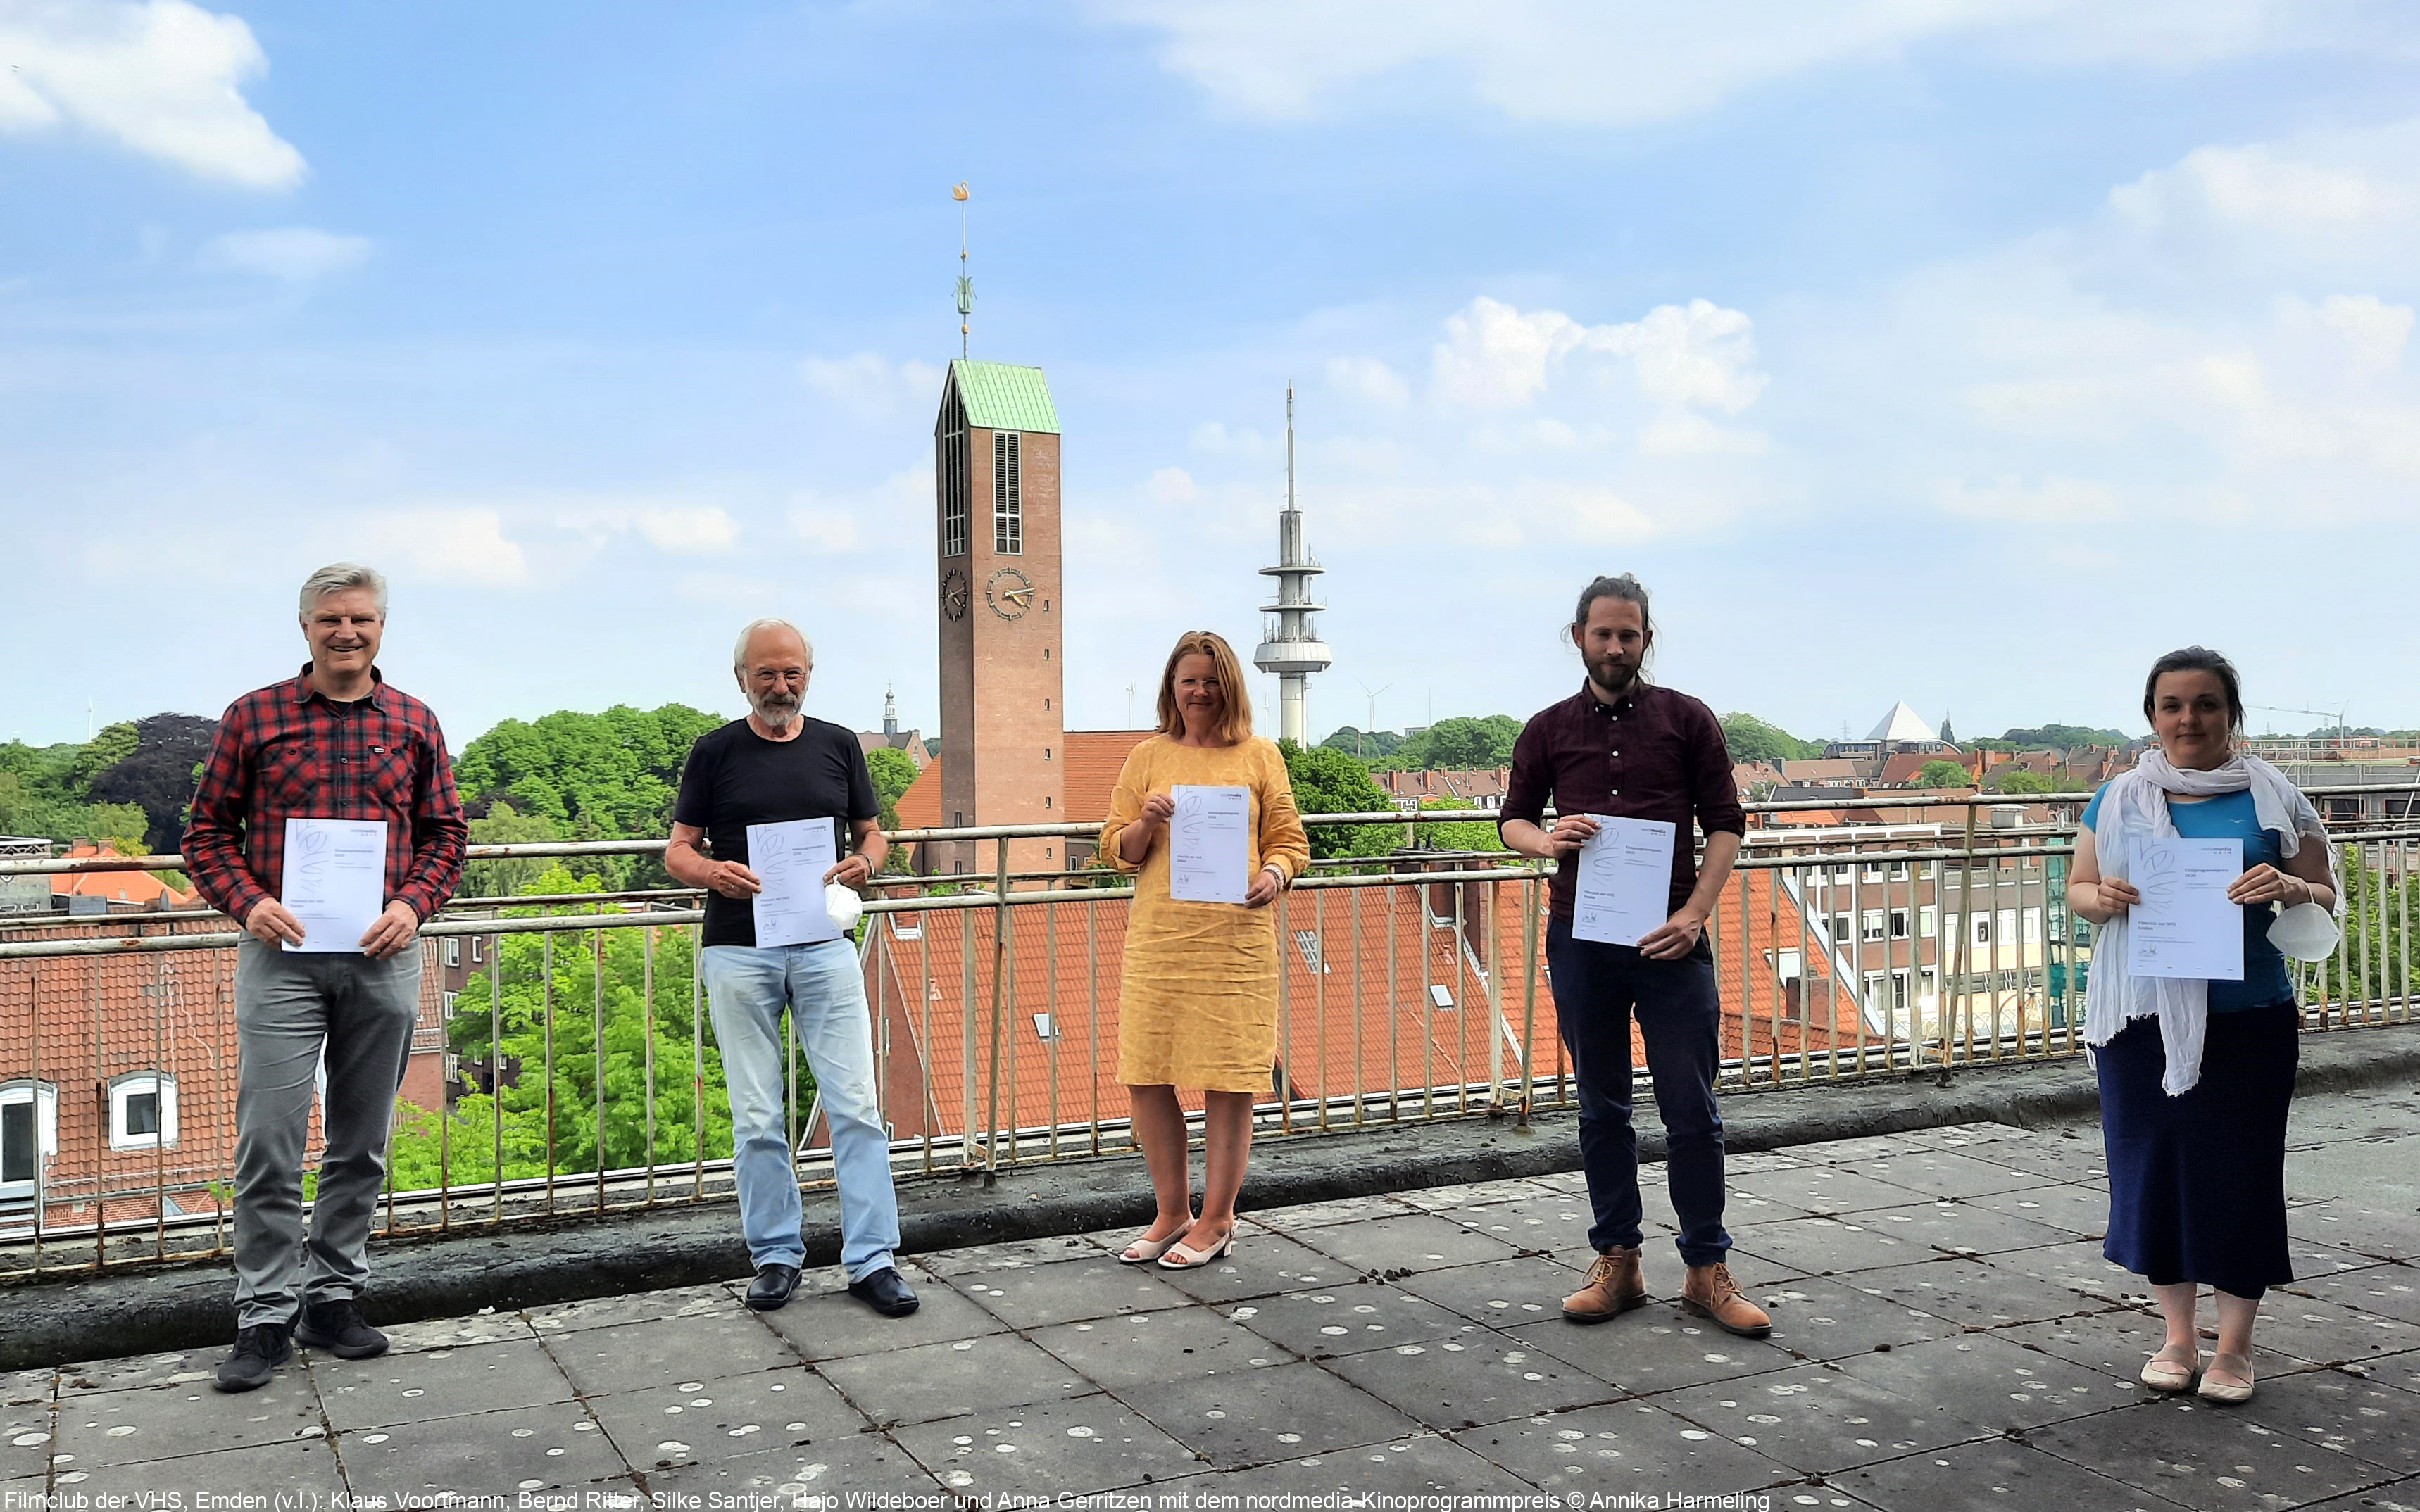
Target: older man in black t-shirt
775, 766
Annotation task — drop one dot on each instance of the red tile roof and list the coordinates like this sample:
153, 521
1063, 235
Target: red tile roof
1094, 759
139, 887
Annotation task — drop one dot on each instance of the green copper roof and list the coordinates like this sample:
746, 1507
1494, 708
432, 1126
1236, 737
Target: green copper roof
1003, 397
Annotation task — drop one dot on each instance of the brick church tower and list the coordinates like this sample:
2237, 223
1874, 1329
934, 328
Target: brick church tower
1003, 710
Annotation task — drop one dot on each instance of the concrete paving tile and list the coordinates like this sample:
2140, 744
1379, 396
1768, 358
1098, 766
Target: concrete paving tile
1956, 1227
406, 1388
1260, 1264
1160, 1346
638, 1355
1964, 1292
2327, 1410
2079, 1266
139, 1370
123, 1427
1500, 1293
712, 1300
1738, 1162
1261, 1416
2403, 1496
1828, 1319
1816, 1419
2398, 1370
2315, 1251
1827, 1246
1320, 1214
522, 1449
1346, 1320
951, 1380
817, 1476
1947, 1174
2381, 1291
1048, 1450
725, 1416
2211, 1459
304, 1465
1471, 1195
1418, 1464
26, 1427
1751, 1210
456, 1333
1415, 1241
1855, 1152
1469, 1379
2073, 1210
2326, 1332
1542, 1220
1829, 1190
1992, 1472
1041, 1295
1652, 1350
1017, 1256
1991, 1381
1624, 1447
1752, 1270
2371, 1228
834, 1325
2116, 1343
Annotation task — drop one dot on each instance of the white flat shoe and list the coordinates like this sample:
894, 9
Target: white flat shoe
2171, 1375
2218, 1391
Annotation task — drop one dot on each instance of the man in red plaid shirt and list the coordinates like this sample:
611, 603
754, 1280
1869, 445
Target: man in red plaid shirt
334, 742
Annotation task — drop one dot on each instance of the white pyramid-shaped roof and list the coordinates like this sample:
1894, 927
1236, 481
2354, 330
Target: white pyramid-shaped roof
1902, 723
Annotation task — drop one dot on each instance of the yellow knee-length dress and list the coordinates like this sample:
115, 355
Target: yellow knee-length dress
1198, 1005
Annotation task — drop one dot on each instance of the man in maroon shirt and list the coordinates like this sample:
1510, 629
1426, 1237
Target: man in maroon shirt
334, 742
1624, 748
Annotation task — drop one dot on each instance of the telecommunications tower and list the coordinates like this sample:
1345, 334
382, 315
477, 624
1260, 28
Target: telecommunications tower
1290, 647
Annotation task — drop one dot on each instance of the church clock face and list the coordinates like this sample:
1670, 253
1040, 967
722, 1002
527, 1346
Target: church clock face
955, 592
1010, 593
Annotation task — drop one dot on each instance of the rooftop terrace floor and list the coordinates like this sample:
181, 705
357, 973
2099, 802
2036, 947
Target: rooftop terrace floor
1945, 1335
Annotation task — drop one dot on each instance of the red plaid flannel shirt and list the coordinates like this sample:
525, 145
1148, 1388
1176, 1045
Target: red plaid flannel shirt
284, 752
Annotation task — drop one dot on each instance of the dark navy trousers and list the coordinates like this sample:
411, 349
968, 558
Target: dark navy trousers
1598, 989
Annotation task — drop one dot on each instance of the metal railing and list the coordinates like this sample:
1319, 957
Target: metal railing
1414, 989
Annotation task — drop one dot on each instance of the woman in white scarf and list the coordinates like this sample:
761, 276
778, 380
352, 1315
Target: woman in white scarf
2196, 1076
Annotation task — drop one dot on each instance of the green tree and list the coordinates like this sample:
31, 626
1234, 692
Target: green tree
609, 776
2062, 736
892, 772
1368, 745
1460, 834
504, 825
629, 1023
1751, 739
1326, 781
1459, 744
2017, 779
1941, 774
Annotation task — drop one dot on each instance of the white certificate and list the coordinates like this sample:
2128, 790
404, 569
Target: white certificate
2185, 926
1625, 881
1207, 854
336, 880
790, 860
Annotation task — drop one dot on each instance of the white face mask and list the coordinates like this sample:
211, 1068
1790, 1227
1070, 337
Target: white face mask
843, 905
2306, 931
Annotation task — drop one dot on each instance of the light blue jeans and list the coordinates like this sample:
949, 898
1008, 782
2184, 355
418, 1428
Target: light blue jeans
748, 987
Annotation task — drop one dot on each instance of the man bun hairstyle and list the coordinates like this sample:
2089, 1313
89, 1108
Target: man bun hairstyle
2198, 659
338, 576
1629, 590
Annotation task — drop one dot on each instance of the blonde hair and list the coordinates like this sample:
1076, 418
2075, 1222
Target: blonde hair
1236, 726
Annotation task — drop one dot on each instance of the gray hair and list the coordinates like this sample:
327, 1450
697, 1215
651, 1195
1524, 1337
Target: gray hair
335, 577
739, 647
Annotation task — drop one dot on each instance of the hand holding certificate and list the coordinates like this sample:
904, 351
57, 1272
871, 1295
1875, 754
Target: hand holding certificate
2185, 926
790, 860
1208, 844
1625, 880
335, 881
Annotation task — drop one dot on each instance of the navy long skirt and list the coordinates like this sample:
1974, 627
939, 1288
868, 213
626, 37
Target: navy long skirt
2197, 1182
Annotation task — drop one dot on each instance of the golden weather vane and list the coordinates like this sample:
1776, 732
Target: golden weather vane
966, 285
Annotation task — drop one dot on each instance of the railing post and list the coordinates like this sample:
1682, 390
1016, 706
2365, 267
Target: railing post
1528, 997
998, 956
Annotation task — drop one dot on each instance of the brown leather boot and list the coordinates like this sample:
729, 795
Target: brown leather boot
1710, 1292
1614, 1287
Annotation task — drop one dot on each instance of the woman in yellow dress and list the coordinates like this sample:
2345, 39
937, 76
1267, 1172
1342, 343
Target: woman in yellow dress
1198, 1005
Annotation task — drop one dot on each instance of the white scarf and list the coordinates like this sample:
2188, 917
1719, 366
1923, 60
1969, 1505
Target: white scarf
2136, 805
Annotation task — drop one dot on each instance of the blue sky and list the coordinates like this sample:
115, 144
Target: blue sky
1970, 352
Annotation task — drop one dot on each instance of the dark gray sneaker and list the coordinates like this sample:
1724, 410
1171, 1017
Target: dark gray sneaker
337, 1328
259, 1351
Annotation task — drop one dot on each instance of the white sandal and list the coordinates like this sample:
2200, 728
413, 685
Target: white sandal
1185, 1257
1145, 1251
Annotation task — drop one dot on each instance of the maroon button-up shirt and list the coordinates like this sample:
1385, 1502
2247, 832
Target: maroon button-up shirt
287, 752
1651, 754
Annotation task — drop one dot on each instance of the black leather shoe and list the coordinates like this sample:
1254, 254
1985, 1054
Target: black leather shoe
772, 1287
259, 1351
337, 1328
885, 1292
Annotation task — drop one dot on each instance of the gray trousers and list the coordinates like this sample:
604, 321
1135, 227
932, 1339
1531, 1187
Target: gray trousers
287, 1006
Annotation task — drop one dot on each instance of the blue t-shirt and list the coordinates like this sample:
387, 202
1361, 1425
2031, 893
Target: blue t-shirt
2231, 816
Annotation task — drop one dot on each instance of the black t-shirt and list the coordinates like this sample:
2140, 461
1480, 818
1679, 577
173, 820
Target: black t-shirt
736, 777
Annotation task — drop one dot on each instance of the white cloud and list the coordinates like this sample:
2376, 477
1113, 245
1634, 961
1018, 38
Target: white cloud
898, 513
754, 596
695, 529
465, 546
1214, 437
871, 386
297, 254
1619, 62
826, 529
1495, 356
1172, 486
162, 79
1366, 378
2259, 186
2054, 500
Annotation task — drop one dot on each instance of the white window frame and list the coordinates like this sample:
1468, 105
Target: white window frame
44, 1096
123, 1090
2007, 928
449, 999
453, 949
1928, 921
1788, 965
475, 949
1898, 922
1872, 925
2033, 926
